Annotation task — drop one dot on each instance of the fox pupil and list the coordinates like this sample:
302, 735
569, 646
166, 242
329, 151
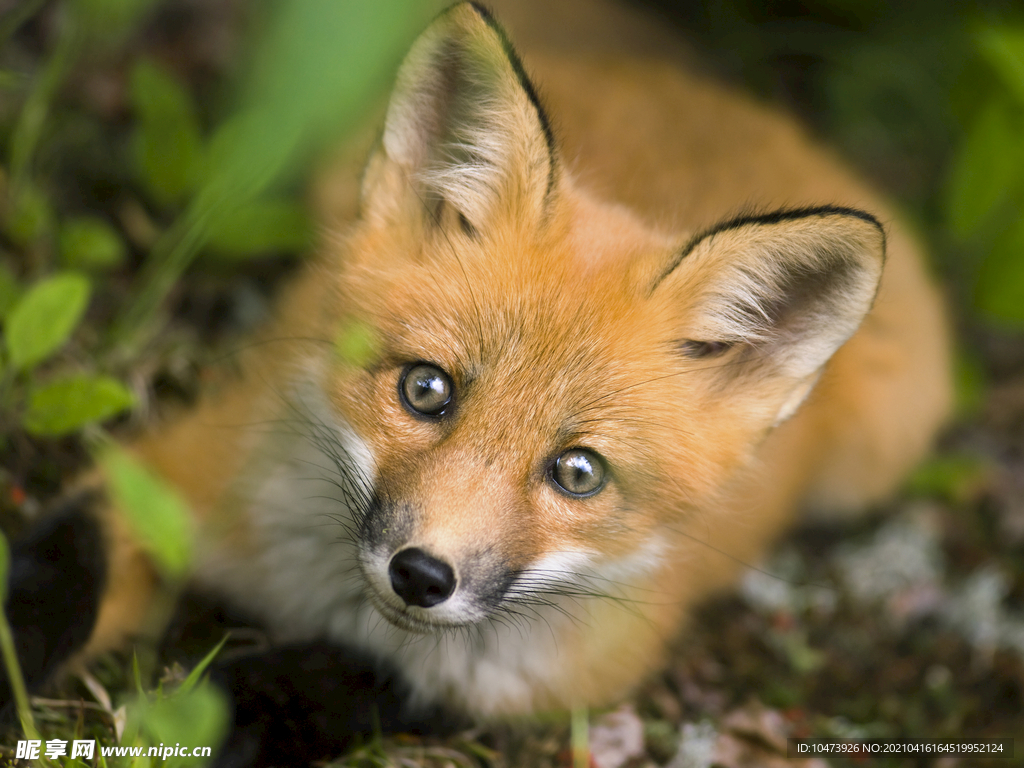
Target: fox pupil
579, 472
426, 390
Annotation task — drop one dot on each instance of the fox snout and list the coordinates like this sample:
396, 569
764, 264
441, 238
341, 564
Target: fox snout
421, 579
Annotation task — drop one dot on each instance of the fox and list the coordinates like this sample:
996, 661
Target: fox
615, 330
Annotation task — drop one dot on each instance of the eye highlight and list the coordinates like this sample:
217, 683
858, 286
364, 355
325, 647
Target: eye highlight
426, 390
579, 472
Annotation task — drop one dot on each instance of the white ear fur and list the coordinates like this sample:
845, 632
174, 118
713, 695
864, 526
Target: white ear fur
787, 289
464, 124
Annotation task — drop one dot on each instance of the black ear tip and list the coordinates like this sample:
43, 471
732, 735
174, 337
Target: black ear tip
483, 10
756, 218
788, 214
484, 13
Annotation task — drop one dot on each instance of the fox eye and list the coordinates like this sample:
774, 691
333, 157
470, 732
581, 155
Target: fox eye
699, 349
579, 472
425, 390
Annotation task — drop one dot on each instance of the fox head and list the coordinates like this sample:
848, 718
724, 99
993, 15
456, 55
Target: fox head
552, 383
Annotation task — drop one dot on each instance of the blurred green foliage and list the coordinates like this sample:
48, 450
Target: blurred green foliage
43, 318
63, 405
927, 97
157, 515
316, 68
89, 243
169, 152
225, 188
957, 478
37, 323
985, 204
192, 713
86, 266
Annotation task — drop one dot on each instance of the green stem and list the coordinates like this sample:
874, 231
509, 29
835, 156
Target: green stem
29, 126
17, 681
170, 257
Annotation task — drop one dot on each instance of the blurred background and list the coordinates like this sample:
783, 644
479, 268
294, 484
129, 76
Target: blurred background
925, 97
154, 166
145, 141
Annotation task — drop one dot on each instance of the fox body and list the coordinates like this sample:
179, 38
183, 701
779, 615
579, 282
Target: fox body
556, 379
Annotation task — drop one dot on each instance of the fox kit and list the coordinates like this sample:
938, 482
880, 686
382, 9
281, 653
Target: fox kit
603, 357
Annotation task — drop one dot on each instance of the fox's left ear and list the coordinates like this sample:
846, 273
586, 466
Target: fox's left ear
464, 127
772, 298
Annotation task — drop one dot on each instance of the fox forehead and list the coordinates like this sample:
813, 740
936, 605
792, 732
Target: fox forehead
553, 328
575, 285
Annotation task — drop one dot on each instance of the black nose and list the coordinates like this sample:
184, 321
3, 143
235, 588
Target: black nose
420, 579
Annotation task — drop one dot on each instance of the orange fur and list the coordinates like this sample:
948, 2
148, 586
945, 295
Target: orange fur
544, 292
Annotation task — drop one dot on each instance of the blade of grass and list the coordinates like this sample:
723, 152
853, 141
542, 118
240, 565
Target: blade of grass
318, 68
14, 676
200, 669
580, 738
29, 126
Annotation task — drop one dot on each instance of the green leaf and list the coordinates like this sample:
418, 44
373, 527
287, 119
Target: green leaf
168, 145
258, 227
68, 404
1003, 48
137, 674
88, 242
355, 344
9, 290
987, 168
44, 318
198, 718
999, 293
317, 69
30, 217
154, 510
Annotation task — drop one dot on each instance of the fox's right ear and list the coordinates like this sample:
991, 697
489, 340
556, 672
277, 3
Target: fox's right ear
464, 128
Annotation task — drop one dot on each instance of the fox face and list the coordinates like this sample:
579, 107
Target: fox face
554, 397
553, 384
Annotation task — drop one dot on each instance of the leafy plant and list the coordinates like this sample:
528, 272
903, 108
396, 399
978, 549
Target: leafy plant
986, 188
155, 512
37, 323
193, 713
83, 288
317, 67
